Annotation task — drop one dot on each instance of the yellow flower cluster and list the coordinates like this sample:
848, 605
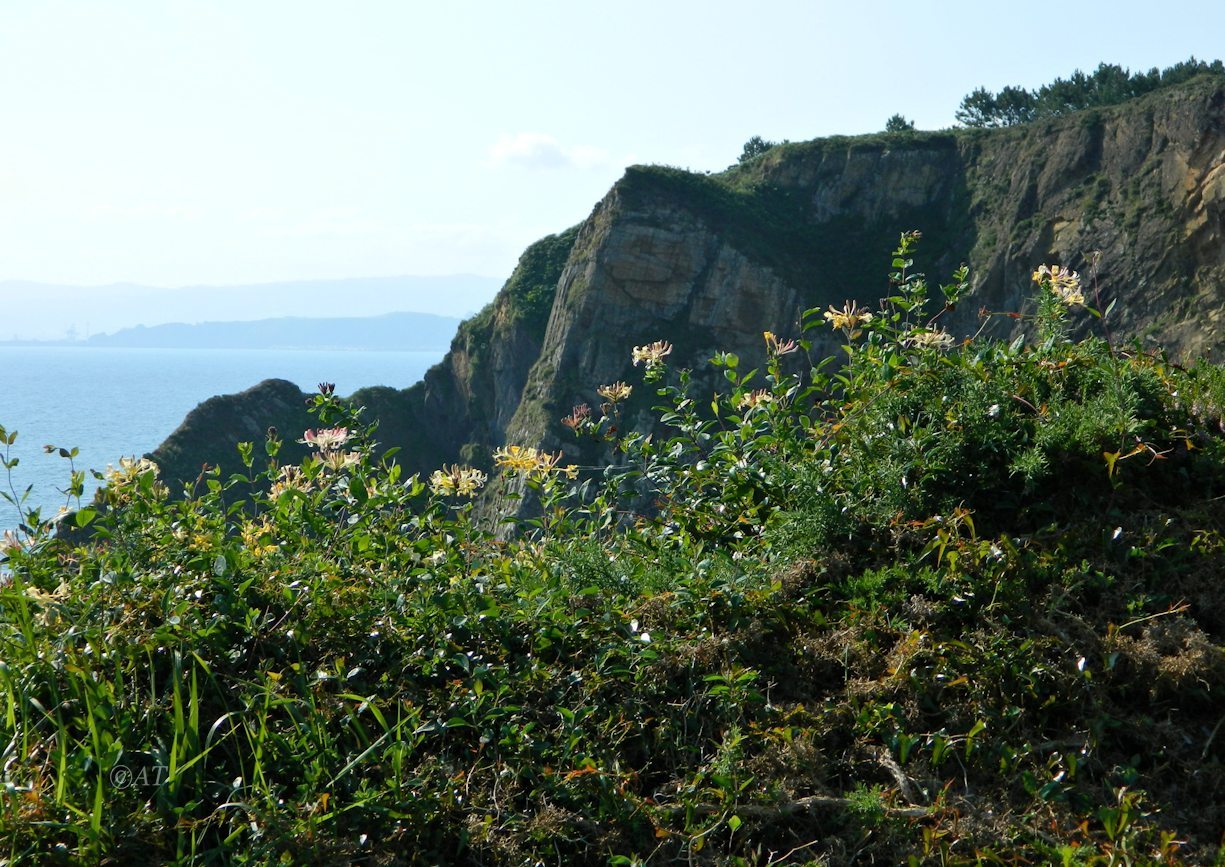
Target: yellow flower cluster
258, 536
851, 316
652, 354
456, 481
1064, 282
532, 462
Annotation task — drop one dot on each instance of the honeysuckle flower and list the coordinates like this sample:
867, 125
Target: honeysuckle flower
10, 543
340, 460
849, 317
258, 536
291, 478
532, 462
122, 481
326, 439
577, 417
774, 346
546, 462
517, 458
456, 481
1064, 282
754, 399
652, 354
930, 339
616, 392
129, 470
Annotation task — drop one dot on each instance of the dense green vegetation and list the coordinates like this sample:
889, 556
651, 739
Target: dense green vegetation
532, 286
1109, 84
941, 603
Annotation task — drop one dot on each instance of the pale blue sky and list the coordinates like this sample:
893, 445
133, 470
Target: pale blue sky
174, 142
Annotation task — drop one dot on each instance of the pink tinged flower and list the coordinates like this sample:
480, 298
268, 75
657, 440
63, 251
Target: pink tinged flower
577, 417
10, 543
775, 346
326, 439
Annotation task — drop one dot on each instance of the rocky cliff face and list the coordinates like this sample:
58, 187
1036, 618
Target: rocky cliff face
708, 262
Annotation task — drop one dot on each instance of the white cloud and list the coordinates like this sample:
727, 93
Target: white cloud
534, 150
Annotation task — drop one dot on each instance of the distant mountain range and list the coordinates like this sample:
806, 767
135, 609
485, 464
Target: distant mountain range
43, 311
392, 331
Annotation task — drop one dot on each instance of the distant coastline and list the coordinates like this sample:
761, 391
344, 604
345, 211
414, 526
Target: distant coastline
388, 332
65, 315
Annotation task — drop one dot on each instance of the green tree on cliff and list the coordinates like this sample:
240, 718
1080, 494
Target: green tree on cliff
1109, 84
899, 123
753, 148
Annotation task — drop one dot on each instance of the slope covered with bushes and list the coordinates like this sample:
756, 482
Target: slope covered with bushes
940, 602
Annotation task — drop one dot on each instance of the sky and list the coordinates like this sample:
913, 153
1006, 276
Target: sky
187, 142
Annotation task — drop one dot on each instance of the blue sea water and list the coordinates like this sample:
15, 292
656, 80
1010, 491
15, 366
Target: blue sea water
111, 403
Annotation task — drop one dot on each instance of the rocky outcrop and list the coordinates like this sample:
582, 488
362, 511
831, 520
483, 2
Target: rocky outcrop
708, 262
209, 435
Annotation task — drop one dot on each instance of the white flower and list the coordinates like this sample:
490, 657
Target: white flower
930, 339
754, 399
456, 481
652, 354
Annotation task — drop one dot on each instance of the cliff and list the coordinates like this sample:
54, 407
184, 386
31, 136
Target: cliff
710, 261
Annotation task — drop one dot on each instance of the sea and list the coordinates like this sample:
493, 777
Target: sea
112, 403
